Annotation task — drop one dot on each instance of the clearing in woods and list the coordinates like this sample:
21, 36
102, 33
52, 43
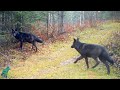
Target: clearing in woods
55, 61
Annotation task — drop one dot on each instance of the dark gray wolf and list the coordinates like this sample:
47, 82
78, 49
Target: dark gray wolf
26, 37
93, 51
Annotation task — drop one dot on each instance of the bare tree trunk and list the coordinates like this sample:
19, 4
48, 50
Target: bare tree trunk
92, 17
62, 16
61, 28
47, 23
58, 21
53, 21
83, 17
80, 19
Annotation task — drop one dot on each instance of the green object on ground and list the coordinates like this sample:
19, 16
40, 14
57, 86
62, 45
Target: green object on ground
5, 72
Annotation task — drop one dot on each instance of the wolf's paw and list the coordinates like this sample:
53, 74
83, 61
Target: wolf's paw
75, 61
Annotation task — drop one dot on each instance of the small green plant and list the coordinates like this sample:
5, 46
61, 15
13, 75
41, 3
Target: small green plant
5, 72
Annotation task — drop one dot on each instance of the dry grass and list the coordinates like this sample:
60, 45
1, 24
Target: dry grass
48, 63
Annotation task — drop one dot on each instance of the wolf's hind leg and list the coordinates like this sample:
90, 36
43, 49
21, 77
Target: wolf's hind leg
86, 60
97, 62
79, 58
107, 66
21, 45
32, 47
35, 46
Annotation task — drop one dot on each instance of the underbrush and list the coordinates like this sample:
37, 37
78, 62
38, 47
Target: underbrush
46, 63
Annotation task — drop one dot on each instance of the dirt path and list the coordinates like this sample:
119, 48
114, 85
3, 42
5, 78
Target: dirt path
69, 61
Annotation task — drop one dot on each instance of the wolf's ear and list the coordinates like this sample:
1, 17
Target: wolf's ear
12, 30
16, 29
77, 39
74, 39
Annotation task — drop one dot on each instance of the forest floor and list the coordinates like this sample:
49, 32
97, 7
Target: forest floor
55, 60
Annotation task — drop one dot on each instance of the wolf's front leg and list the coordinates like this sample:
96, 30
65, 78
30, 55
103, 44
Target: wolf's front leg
79, 58
97, 62
86, 60
34, 44
21, 44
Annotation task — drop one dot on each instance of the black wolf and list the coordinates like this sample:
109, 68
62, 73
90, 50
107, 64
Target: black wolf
94, 51
26, 37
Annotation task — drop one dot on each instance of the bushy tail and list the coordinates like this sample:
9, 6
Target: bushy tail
110, 60
106, 56
38, 40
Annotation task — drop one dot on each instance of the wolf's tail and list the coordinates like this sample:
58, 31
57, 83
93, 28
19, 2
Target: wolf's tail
105, 56
110, 60
38, 40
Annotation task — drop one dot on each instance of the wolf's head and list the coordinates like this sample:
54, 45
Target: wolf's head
76, 43
15, 32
